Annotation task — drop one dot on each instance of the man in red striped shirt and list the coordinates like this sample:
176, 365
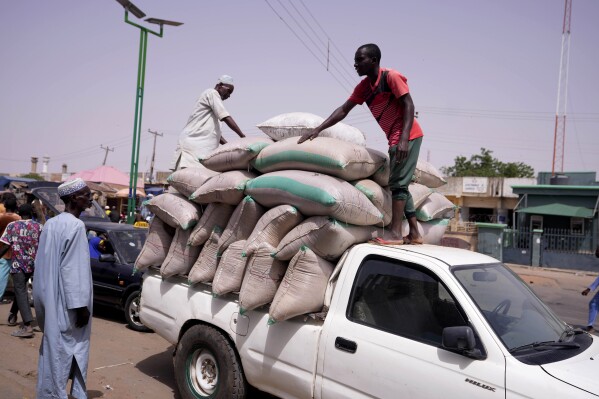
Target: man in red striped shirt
386, 93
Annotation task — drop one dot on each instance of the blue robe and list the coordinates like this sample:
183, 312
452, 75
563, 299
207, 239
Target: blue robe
63, 282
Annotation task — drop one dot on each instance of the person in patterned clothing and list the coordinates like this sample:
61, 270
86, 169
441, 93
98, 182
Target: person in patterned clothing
23, 237
387, 95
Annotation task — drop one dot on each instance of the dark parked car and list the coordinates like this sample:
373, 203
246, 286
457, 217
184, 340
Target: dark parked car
115, 284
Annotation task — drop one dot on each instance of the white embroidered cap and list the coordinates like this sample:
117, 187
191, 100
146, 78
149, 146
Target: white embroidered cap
71, 187
226, 79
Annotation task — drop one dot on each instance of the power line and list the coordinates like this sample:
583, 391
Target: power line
352, 76
305, 45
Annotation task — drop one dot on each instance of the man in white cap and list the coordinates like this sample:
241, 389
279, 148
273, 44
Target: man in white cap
202, 133
63, 297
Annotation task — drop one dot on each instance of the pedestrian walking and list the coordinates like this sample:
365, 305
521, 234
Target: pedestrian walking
9, 200
22, 236
63, 297
387, 95
594, 302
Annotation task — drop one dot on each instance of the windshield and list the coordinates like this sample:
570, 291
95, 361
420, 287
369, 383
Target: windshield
514, 312
129, 243
53, 205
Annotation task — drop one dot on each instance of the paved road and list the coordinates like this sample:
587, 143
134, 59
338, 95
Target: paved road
127, 364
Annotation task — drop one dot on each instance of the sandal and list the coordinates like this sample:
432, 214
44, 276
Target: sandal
12, 319
380, 241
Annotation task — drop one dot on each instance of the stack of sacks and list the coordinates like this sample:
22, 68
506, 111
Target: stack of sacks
270, 229
239, 227
242, 223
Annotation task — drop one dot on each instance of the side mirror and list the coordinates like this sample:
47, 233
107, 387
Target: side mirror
460, 339
107, 258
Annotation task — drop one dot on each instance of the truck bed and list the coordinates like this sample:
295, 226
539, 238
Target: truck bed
279, 359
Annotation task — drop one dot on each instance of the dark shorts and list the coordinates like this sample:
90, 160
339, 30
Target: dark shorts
401, 174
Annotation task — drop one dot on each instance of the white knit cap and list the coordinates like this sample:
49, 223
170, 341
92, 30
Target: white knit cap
71, 187
226, 79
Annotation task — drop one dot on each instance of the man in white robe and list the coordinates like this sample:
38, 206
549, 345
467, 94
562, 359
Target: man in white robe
62, 295
202, 135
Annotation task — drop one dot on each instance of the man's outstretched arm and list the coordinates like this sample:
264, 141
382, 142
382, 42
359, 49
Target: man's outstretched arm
338, 115
233, 126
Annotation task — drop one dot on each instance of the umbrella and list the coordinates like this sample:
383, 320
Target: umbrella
124, 193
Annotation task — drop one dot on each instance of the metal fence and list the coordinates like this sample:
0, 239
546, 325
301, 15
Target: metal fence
566, 241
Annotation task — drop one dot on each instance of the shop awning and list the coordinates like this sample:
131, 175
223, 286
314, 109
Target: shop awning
559, 210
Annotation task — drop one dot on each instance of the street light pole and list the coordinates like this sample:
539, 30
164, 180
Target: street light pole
139, 96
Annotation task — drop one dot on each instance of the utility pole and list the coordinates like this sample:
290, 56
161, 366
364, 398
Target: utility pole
559, 137
156, 134
106, 154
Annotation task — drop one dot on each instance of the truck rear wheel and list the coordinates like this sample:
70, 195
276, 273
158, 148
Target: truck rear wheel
207, 367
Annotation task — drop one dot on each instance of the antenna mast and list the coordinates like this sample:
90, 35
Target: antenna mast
559, 138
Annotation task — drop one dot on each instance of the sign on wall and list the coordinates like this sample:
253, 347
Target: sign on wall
475, 185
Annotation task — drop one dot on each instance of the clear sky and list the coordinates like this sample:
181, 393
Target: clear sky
481, 73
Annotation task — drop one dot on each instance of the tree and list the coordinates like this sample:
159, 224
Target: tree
484, 165
34, 176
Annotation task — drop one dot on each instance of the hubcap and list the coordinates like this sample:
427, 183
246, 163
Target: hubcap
134, 311
203, 372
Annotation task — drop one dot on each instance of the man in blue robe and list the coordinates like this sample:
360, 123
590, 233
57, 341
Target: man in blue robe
62, 295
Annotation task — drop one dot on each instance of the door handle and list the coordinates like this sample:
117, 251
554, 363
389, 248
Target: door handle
345, 345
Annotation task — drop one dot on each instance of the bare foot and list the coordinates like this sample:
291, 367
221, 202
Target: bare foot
414, 241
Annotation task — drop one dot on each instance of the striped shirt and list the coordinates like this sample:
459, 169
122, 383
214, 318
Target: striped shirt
385, 106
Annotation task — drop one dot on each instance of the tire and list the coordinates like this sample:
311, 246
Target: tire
207, 367
132, 312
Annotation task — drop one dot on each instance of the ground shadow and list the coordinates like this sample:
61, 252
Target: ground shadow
160, 367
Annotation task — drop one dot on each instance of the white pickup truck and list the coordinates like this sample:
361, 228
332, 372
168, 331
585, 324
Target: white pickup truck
402, 322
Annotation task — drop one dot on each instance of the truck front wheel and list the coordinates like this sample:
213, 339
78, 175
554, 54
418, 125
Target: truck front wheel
206, 366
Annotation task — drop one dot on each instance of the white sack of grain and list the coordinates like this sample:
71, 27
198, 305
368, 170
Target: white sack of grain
204, 268
327, 237
156, 247
226, 187
235, 155
294, 124
381, 176
181, 256
188, 180
419, 193
262, 277
436, 206
303, 287
314, 194
433, 230
379, 196
428, 175
215, 215
326, 155
242, 223
272, 227
230, 270
174, 210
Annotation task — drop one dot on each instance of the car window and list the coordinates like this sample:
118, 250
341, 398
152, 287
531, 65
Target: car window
129, 243
403, 299
511, 308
